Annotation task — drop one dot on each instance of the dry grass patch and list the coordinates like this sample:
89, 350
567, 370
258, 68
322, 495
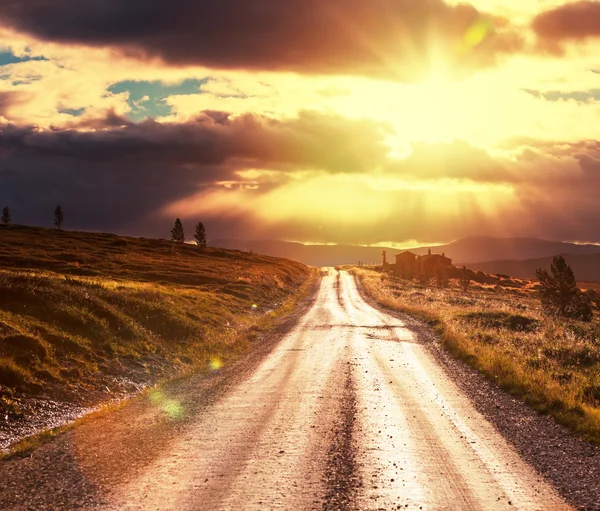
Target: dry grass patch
83, 313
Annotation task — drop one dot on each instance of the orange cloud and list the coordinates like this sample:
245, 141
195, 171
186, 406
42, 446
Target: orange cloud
569, 22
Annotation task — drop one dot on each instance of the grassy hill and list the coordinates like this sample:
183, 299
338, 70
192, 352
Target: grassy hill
84, 314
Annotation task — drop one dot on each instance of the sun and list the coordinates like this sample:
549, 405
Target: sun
435, 113
439, 108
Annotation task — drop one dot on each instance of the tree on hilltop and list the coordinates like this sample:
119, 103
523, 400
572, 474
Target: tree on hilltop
200, 235
6, 219
59, 217
559, 293
177, 232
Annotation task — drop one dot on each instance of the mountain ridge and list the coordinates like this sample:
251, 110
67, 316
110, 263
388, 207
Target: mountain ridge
585, 266
472, 250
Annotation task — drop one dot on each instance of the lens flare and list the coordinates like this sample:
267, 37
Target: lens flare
215, 364
477, 33
170, 407
156, 396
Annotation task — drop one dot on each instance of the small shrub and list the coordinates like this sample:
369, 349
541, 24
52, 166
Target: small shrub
581, 356
23, 345
498, 319
11, 375
486, 338
591, 395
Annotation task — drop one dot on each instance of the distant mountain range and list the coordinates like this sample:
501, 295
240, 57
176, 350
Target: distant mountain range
585, 266
484, 249
496, 251
313, 255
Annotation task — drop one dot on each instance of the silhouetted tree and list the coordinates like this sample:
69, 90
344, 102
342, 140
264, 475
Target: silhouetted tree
200, 235
559, 293
177, 232
6, 219
59, 217
465, 279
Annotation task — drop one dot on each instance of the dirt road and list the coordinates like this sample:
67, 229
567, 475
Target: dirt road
347, 412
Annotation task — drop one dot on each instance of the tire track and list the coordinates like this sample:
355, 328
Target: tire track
342, 479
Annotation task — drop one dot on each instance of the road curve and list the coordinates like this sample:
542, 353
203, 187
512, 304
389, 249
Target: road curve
348, 412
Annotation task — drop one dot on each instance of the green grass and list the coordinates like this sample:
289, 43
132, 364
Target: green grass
553, 365
76, 308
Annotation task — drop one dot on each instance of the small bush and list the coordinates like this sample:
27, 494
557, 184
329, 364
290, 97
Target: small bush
499, 319
12, 376
570, 357
591, 395
19, 345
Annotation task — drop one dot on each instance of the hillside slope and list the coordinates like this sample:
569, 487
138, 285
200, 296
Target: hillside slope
586, 267
464, 251
85, 316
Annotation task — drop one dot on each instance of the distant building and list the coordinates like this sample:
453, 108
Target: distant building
408, 264
405, 258
429, 262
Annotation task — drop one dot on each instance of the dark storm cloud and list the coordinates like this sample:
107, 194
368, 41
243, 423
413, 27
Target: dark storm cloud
311, 140
571, 21
120, 173
390, 38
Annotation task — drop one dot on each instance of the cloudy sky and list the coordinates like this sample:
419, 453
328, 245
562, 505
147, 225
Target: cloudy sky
338, 121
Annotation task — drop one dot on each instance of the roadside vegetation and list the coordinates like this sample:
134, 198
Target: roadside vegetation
528, 346
84, 316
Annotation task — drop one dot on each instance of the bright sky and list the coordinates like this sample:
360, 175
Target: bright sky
386, 124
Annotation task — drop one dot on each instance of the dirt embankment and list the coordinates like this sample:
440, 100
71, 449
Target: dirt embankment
88, 318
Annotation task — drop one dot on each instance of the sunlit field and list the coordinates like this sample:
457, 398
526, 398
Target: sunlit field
92, 315
553, 364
